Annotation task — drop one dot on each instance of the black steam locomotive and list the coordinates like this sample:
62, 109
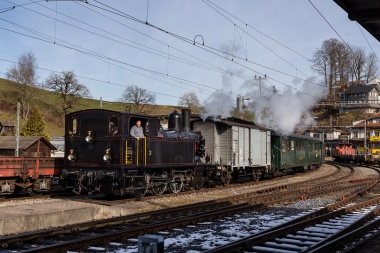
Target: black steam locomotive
102, 156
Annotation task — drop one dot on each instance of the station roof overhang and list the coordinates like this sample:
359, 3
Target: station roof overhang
365, 12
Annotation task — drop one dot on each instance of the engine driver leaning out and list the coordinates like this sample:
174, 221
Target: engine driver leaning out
137, 131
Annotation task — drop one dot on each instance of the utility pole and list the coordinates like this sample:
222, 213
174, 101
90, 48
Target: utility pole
365, 139
18, 129
260, 78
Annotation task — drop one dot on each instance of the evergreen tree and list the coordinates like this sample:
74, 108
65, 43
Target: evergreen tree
35, 125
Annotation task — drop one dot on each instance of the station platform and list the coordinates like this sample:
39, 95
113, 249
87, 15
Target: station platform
29, 217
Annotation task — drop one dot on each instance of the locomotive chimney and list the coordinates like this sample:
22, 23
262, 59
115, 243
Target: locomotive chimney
175, 121
186, 120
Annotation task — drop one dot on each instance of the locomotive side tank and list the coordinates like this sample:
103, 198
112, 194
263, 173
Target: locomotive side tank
101, 156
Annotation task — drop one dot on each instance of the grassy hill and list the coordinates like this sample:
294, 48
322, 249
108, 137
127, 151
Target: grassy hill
49, 106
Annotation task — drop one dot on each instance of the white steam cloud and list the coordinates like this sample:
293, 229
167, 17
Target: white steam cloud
282, 111
218, 105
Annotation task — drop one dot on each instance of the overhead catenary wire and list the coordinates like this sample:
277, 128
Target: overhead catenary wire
330, 25
182, 80
249, 35
93, 79
269, 37
367, 41
252, 70
190, 41
160, 53
49, 39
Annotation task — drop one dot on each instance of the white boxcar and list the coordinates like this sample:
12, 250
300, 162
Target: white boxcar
236, 143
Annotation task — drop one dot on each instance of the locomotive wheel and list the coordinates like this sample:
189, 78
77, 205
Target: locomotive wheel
139, 183
176, 184
158, 187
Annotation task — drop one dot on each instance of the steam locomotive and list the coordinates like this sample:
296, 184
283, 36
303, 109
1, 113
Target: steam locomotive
101, 156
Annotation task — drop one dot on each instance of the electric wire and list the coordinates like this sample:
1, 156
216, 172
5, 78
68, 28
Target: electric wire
49, 39
212, 68
367, 41
248, 34
160, 53
202, 46
172, 78
220, 56
90, 78
330, 25
269, 37
94, 55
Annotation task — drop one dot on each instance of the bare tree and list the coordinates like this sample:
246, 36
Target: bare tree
68, 88
330, 61
189, 99
339, 63
24, 75
139, 97
358, 60
371, 67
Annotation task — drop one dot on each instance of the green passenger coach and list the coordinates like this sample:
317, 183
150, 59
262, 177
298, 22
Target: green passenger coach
296, 153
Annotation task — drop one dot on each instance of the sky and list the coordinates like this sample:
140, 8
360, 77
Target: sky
109, 45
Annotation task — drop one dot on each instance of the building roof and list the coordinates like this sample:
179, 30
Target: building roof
9, 142
369, 125
7, 123
365, 12
58, 142
374, 81
362, 89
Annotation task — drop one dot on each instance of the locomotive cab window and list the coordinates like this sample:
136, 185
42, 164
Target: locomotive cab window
72, 126
134, 126
113, 126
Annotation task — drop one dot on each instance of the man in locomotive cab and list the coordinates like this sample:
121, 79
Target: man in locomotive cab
137, 130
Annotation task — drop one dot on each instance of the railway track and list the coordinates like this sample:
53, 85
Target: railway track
98, 232
325, 230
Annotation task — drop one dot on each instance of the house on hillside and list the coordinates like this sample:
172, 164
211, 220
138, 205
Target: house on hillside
29, 146
324, 134
7, 127
361, 98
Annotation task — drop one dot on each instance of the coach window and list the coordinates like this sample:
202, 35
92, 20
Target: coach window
113, 125
283, 145
287, 145
291, 145
298, 146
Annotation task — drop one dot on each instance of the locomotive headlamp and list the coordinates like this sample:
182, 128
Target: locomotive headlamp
71, 157
89, 137
107, 156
